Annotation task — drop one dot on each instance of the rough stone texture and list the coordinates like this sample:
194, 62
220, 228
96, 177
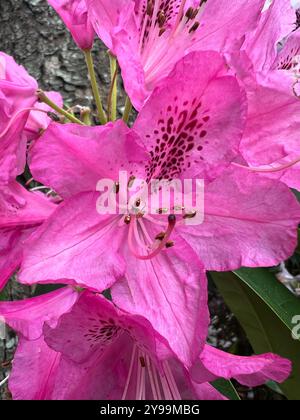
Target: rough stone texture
32, 32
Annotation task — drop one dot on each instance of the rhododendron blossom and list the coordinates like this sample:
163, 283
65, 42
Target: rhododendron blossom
75, 15
268, 68
89, 349
150, 36
159, 251
20, 210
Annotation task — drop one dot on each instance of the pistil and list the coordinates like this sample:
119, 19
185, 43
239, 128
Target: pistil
133, 234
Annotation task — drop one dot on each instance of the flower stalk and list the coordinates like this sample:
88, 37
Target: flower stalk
112, 100
94, 85
127, 111
46, 100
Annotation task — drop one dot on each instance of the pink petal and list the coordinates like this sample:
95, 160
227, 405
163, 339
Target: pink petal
75, 244
189, 389
171, 289
108, 17
34, 370
11, 250
74, 13
20, 212
224, 22
97, 379
145, 59
249, 371
192, 124
27, 316
91, 328
71, 159
249, 221
19, 207
272, 136
285, 59
275, 23
17, 91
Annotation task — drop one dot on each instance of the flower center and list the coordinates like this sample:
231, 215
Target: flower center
134, 238
162, 24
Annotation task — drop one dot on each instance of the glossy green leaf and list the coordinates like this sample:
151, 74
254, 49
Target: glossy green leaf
227, 389
265, 309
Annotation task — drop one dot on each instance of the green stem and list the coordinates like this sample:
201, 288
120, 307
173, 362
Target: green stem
85, 116
44, 98
127, 111
114, 88
94, 84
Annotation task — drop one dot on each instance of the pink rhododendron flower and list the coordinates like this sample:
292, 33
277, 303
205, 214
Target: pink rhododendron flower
270, 139
75, 16
269, 73
33, 356
261, 45
150, 37
18, 121
17, 92
92, 350
174, 136
217, 124
20, 212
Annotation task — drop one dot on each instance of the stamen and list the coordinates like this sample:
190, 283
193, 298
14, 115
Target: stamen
150, 8
132, 227
170, 244
131, 181
141, 376
171, 381
269, 170
152, 379
17, 114
129, 372
190, 215
189, 13
127, 219
161, 19
117, 187
180, 14
160, 236
165, 387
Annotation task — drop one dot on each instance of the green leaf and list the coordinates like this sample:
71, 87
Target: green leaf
3, 296
297, 194
227, 389
265, 309
274, 387
42, 289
